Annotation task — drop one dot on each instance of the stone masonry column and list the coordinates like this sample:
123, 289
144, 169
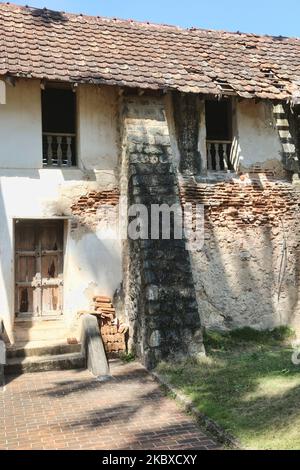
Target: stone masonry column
160, 299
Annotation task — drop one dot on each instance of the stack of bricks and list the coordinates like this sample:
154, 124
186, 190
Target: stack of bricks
90, 202
247, 200
113, 333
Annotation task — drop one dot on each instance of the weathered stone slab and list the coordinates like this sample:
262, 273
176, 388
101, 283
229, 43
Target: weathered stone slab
93, 347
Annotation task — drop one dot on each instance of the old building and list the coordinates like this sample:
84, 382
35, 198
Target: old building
93, 110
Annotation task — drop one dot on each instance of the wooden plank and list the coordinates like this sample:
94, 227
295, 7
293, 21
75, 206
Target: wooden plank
51, 252
25, 253
51, 282
25, 239
52, 267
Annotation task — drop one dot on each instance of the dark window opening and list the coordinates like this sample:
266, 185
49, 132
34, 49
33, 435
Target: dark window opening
218, 134
59, 127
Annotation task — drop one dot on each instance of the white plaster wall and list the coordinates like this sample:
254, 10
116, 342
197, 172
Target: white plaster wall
257, 135
93, 255
92, 266
237, 274
97, 127
21, 126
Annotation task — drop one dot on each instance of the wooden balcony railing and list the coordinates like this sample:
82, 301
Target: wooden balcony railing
59, 149
218, 155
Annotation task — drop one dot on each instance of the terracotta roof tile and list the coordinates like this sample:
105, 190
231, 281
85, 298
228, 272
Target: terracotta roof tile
59, 46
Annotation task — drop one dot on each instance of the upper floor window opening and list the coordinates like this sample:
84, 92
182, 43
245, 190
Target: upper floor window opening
59, 127
218, 116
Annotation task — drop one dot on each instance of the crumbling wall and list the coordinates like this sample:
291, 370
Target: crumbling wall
95, 208
247, 273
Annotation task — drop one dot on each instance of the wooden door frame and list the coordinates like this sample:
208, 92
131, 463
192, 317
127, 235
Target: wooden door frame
66, 223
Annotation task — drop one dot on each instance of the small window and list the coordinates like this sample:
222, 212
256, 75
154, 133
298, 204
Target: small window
218, 134
59, 127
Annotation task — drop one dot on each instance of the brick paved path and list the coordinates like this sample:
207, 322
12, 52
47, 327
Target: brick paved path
71, 410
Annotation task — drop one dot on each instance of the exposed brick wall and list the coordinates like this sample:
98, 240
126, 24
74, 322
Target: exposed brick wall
95, 209
247, 273
90, 202
250, 199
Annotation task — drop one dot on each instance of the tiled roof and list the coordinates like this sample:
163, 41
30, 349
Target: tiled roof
59, 46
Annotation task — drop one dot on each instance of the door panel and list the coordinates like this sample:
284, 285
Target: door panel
51, 300
51, 236
26, 268
26, 302
25, 236
50, 266
39, 268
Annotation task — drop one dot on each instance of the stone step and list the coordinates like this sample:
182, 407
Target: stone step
21, 365
42, 331
41, 348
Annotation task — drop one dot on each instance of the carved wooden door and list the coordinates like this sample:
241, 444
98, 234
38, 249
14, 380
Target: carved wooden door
39, 268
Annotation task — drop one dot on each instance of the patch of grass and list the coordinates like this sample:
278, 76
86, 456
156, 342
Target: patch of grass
248, 384
234, 338
127, 357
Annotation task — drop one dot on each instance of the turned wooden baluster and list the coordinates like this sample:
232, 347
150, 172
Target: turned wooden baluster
49, 150
59, 151
224, 156
69, 151
217, 157
209, 156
